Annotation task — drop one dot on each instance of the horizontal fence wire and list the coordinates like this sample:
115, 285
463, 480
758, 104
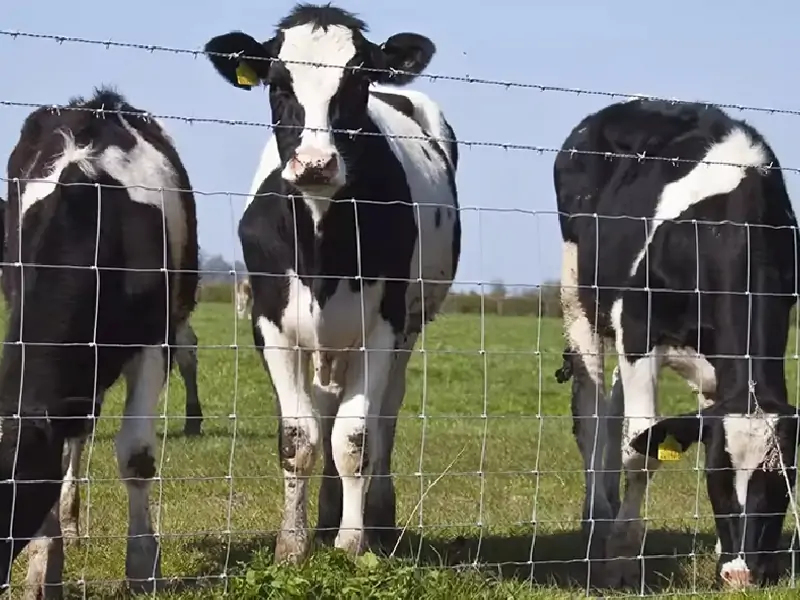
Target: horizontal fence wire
101, 112
488, 479
153, 48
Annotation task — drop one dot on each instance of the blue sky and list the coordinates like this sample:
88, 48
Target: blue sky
688, 49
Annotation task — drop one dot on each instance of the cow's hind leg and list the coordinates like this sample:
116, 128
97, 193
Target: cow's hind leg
186, 357
145, 376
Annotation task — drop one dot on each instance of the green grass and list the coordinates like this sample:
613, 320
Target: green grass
503, 519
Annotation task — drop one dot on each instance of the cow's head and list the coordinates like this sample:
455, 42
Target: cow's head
31, 445
308, 100
750, 470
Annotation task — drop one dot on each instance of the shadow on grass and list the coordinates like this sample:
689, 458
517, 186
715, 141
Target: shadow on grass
558, 559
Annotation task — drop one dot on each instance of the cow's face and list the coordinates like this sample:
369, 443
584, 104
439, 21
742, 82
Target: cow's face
31, 471
30, 476
750, 469
308, 98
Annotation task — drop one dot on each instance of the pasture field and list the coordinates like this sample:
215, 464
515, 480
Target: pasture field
482, 407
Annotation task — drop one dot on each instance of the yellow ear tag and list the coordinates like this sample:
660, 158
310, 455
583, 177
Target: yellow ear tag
245, 75
669, 449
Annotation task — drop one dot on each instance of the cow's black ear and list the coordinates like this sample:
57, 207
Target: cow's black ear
402, 57
240, 59
669, 438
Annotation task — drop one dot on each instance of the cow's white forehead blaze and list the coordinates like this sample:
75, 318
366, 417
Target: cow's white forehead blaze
314, 86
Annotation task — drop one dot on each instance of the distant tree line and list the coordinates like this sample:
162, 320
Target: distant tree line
217, 285
497, 299
216, 269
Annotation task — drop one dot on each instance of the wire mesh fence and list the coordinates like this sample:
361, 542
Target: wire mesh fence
489, 482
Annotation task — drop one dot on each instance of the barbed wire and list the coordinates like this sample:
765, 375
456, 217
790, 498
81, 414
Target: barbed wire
152, 48
102, 112
532, 212
640, 157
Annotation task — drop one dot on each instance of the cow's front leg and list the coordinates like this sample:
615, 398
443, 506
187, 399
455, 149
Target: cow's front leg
298, 436
584, 360
356, 438
380, 515
639, 374
326, 399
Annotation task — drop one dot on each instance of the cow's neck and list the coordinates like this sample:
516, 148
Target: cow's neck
28, 370
318, 205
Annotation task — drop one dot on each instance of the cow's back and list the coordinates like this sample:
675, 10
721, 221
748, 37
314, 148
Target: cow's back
71, 152
627, 175
424, 143
603, 154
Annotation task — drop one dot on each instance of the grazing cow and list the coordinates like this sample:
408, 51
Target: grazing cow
704, 294
69, 503
107, 245
351, 239
244, 297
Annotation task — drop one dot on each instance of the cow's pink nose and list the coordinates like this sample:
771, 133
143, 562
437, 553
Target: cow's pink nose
314, 169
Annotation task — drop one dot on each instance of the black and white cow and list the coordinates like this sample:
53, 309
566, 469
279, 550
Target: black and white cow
107, 243
67, 518
244, 297
185, 357
351, 241
657, 258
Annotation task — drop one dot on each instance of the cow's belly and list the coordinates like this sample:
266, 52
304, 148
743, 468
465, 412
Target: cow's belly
431, 268
347, 317
423, 302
